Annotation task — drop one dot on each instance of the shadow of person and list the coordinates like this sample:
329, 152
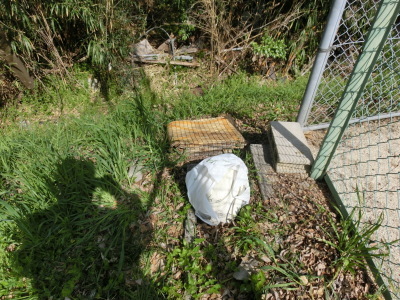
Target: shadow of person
82, 245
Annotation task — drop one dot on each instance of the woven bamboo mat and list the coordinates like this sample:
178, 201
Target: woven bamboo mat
205, 137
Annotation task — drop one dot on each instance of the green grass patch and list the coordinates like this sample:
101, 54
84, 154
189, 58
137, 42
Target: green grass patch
67, 202
244, 97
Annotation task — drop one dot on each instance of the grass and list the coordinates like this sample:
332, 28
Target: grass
68, 203
239, 95
74, 224
352, 240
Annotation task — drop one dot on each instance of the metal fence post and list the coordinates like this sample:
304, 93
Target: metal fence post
334, 17
377, 35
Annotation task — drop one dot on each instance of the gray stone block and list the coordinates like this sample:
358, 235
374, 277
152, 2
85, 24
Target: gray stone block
290, 151
266, 173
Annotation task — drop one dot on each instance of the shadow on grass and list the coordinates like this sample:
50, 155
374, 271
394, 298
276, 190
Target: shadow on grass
80, 248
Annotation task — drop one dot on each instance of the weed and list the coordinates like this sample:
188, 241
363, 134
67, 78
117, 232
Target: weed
190, 259
352, 239
69, 207
269, 47
73, 223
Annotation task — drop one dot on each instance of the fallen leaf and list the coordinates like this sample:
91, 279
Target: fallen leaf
320, 268
177, 275
303, 280
157, 262
265, 259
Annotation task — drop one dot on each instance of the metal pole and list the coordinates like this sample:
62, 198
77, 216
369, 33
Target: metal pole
325, 48
373, 45
355, 120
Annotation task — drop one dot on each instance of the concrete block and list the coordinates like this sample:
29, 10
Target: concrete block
291, 152
266, 174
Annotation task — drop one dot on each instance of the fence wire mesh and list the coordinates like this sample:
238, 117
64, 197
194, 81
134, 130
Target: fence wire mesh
365, 174
365, 170
354, 25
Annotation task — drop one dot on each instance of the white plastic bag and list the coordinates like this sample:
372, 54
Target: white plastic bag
218, 187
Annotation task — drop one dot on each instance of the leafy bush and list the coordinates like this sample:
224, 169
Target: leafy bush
270, 47
55, 34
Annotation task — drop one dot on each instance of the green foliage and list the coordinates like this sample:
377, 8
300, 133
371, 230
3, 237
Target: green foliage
353, 240
53, 35
190, 259
54, 218
172, 14
249, 238
185, 31
303, 32
272, 99
270, 47
70, 216
46, 32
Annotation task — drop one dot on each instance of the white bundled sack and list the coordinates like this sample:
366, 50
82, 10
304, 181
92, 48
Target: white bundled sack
218, 187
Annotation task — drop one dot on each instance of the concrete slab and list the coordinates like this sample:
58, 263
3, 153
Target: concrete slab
266, 174
290, 150
292, 169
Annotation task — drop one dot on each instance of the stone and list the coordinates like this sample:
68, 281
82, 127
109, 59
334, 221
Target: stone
248, 266
190, 226
241, 274
135, 171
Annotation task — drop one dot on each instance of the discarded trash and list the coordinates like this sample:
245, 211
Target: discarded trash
143, 48
144, 52
218, 187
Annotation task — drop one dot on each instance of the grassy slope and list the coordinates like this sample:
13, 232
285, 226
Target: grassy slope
72, 222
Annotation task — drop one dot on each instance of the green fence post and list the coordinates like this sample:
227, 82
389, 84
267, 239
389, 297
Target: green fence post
376, 38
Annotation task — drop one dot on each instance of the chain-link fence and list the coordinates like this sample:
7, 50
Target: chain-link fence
364, 171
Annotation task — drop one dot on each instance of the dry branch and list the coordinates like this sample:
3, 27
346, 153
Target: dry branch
164, 62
